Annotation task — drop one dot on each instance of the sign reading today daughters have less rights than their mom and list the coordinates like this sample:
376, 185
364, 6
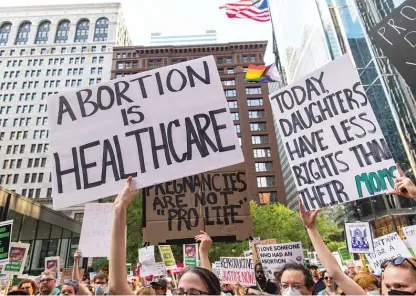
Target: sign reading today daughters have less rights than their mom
334, 143
155, 126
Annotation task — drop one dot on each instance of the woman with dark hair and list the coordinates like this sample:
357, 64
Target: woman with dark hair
193, 281
197, 281
295, 279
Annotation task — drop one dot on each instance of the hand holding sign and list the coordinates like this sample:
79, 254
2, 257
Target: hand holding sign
126, 195
205, 241
403, 185
308, 218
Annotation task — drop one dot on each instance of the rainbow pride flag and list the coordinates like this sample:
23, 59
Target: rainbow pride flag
262, 74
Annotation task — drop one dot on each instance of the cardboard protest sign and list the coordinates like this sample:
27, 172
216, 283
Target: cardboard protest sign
395, 35
216, 202
17, 259
96, 230
334, 143
147, 261
346, 256
387, 247
52, 264
273, 257
190, 254
237, 270
167, 257
248, 253
255, 244
5, 238
67, 274
359, 238
410, 232
155, 126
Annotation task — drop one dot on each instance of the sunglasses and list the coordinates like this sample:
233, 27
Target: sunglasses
328, 278
396, 262
181, 291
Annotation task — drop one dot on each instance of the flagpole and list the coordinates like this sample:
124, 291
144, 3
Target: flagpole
275, 49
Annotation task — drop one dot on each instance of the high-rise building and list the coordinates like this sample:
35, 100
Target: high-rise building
248, 103
44, 50
158, 39
323, 31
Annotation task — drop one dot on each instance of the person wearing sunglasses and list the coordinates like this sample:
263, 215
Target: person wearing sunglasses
331, 288
193, 281
399, 276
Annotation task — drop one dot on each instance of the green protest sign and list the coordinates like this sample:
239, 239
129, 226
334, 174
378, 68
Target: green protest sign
5, 237
190, 255
345, 254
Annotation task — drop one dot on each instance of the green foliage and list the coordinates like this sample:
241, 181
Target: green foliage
101, 263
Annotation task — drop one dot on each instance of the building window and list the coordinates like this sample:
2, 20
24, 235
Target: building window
230, 71
232, 104
154, 63
43, 32
256, 114
264, 166
267, 197
81, 33
23, 33
258, 126
262, 152
253, 91
263, 139
266, 181
237, 128
4, 33
228, 60
228, 82
230, 92
79, 217
255, 102
235, 115
101, 29
62, 32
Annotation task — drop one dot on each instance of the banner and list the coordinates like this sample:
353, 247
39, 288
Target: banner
52, 264
147, 261
274, 257
359, 238
190, 255
96, 230
335, 147
387, 247
17, 259
237, 270
5, 239
167, 257
410, 232
155, 126
395, 35
216, 202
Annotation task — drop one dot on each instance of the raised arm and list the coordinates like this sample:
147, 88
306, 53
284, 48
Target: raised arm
205, 243
348, 286
117, 283
75, 269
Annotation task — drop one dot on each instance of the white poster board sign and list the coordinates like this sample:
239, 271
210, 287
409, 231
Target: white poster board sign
275, 256
147, 261
359, 238
96, 230
387, 247
161, 269
237, 270
216, 268
17, 259
410, 232
155, 126
334, 143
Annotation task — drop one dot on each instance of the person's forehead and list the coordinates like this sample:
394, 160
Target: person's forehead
26, 285
293, 276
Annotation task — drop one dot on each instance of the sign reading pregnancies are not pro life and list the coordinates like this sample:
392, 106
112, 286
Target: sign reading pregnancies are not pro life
155, 126
334, 143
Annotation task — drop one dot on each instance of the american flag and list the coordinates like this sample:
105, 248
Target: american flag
257, 10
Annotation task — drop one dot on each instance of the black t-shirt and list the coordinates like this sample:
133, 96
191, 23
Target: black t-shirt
270, 288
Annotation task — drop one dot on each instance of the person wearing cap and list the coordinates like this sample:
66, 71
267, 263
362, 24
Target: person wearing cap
159, 286
316, 275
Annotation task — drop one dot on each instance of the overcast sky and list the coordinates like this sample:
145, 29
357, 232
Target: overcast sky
178, 17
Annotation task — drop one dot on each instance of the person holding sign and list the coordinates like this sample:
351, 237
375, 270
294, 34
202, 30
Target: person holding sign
348, 286
193, 281
403, 185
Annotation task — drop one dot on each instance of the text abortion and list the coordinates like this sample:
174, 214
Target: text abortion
334, 143
196, 203
149, 126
